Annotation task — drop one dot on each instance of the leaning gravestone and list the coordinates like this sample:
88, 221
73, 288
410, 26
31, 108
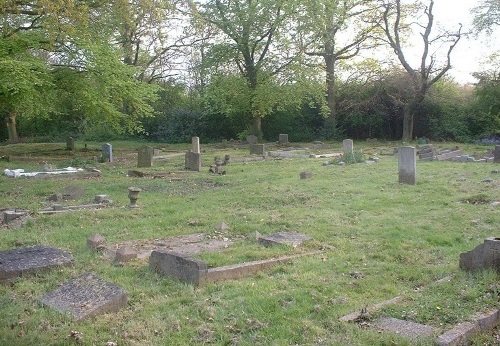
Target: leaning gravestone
107, 152
407, 163
18, 262
145, 157
86, 296
178, 266
496, 154
283, 138
348, 146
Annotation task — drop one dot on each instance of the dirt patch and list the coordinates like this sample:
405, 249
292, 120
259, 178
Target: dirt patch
184, 244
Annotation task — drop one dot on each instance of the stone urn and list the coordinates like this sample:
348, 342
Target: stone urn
133, 195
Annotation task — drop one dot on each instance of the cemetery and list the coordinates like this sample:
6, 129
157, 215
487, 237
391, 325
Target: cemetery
334, 243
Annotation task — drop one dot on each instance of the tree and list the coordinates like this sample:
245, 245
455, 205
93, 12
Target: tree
337, 30
430, 69
486, 16
256, 42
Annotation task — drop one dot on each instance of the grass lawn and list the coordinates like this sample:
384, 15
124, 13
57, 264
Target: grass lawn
381, 239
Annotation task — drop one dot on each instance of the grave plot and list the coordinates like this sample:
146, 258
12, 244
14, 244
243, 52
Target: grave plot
86, 296
101, 201
19, 262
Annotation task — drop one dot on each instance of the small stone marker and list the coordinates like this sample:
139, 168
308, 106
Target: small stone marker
193, 161
404, 328
96, 241
102, 199
306, 175
407, 162
145, 156
257, 149
288, 238
283, 138
107, 152
348, 146
18, 262
11, 215
70, 143
496, 154
252, 139
124, 255
86, 296
178, 266
195, 145
484, 256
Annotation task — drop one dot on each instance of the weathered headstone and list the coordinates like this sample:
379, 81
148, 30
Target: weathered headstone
70, 143
195, 145
348, 146
11, 215
252, 139
86, 296
178, 266
18, 262
427, 153
192, 161
257, 149
107, 152
283, 138
96, 241
145, 157
288, 238
407, 163
484, 256
496, 154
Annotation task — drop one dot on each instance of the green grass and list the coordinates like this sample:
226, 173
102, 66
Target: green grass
400, 238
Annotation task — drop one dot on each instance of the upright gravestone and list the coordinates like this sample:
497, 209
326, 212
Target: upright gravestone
192, 161
195, 145
407, 163
496, 153
86, 296
70, 143
18, 262
145, 157
252, 139
107, 152
257, 149
178, 266
283, 138
348, 146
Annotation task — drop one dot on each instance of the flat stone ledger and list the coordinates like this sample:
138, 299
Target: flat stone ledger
18, 262
404, 328
178, 266
257, 149
193, 161
484, 256
348, 146
286, 238
283, 138
145, 157
407, 164
496, 154
107, 152
86, 296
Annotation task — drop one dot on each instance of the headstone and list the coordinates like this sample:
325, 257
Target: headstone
288, 238
484, 256
86, 296
96, 241
11, 215
195, 145
283, 138
257, 149
145, 156
125, 255
70, 143
348, 146
427, 153
178, 266
306, 175
407, 162
252, 139
448, 155
18, 262
192, 161
107, 152
496, 154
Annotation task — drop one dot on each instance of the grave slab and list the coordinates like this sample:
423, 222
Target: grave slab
86, 296
287, 238
18, 262
404, 328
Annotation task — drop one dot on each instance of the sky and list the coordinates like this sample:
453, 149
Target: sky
470, 52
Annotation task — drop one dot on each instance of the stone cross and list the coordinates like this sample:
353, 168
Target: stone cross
407, 163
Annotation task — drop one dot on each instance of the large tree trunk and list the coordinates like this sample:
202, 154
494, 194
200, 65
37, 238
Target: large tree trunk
330, 88
408, 116
257, 127
11, 127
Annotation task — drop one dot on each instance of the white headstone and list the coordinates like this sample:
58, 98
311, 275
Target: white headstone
195, 145
407, 163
